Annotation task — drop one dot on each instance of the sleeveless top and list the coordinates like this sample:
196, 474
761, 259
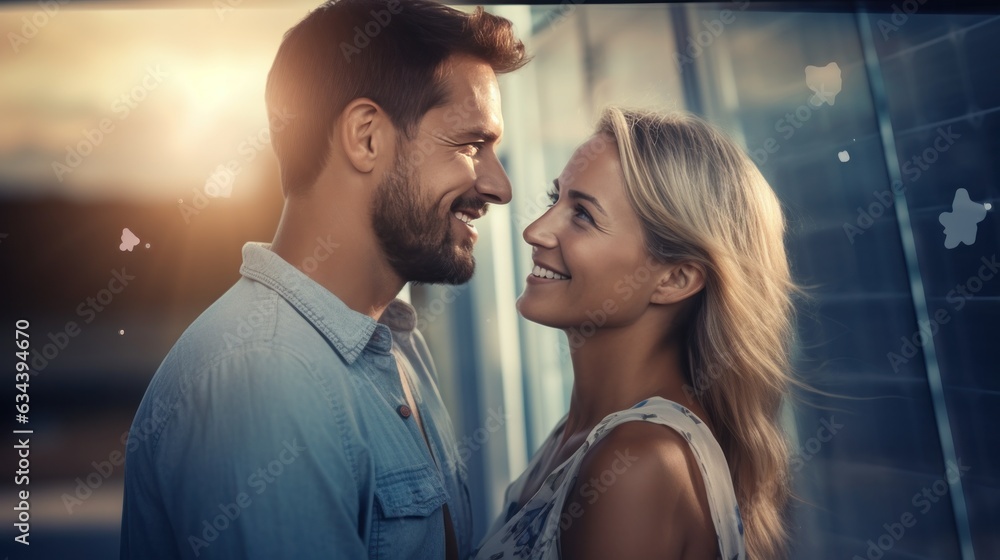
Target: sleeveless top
533, 531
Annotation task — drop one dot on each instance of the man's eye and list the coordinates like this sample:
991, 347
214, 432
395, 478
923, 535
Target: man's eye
474, 147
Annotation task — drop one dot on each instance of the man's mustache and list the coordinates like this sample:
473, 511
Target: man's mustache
475, 206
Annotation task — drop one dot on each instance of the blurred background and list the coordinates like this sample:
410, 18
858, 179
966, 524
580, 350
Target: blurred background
135, 162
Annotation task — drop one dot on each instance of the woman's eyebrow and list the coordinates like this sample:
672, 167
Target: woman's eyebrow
577, 194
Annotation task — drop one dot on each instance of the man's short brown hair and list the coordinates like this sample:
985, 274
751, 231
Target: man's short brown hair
389, 51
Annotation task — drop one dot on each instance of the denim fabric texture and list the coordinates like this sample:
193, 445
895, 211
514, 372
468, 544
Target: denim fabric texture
274, 428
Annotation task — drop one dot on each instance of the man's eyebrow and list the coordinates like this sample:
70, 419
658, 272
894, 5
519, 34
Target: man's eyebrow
579, 195
485, 135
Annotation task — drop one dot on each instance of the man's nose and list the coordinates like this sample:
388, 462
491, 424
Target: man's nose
492, 181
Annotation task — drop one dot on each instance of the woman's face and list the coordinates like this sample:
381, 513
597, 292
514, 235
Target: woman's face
591, 263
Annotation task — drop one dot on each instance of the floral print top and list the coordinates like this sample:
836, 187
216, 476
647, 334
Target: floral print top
533, 531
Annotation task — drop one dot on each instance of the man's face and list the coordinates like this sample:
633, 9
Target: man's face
443, 179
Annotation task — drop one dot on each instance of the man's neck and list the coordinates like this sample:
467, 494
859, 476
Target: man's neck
339, 251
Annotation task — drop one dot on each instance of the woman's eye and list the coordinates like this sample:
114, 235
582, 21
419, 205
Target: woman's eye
582, 213
578, 212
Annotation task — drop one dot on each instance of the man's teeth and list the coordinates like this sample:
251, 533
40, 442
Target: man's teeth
464, 218
546, 273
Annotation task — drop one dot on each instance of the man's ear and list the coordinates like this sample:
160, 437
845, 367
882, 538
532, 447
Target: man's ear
366, 133
677, 282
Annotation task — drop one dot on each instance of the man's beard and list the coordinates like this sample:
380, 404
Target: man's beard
417, 242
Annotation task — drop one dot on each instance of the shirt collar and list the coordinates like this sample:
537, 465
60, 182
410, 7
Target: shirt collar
349, 331
399, 316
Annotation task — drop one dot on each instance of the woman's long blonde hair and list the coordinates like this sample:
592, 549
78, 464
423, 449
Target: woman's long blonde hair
701, 199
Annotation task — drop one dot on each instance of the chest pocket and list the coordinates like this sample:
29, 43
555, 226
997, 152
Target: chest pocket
409, 523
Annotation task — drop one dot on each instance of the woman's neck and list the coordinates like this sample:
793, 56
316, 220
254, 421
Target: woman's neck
618, 367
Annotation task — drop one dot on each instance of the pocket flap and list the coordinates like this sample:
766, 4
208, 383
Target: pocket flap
410, 491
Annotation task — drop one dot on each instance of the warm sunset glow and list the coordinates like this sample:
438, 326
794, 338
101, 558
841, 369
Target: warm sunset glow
136, 104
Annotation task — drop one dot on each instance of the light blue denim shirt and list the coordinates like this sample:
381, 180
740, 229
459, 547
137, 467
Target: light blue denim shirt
274, 429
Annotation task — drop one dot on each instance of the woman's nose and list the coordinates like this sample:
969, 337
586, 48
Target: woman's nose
539, 233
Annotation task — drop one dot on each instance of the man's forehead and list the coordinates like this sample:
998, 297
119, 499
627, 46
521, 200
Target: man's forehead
484, 119
473, 96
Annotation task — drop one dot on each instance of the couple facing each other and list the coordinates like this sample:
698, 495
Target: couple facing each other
299, 417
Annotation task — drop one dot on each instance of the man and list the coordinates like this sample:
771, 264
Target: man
298, 417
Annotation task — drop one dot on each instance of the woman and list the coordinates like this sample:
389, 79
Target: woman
662, 256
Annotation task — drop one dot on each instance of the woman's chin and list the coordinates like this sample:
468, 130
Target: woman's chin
521, 306
527, 307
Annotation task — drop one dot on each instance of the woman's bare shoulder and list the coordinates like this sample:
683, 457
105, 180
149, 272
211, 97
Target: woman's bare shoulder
638, 494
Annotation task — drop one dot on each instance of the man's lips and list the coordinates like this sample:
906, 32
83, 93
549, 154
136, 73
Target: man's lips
472, 210
464, 217
466, 211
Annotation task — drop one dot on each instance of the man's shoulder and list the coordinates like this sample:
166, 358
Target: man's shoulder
249, 337
247, 312
247, 318
231, 369
204, 377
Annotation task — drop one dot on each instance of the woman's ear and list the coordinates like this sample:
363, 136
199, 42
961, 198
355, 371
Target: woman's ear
678, 282
365, 132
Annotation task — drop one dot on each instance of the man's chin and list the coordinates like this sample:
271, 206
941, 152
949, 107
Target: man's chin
458, 271
460, 274
461, 268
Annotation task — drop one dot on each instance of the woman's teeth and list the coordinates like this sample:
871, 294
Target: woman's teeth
546, 273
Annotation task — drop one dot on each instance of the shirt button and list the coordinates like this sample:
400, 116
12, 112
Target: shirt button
404, 411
